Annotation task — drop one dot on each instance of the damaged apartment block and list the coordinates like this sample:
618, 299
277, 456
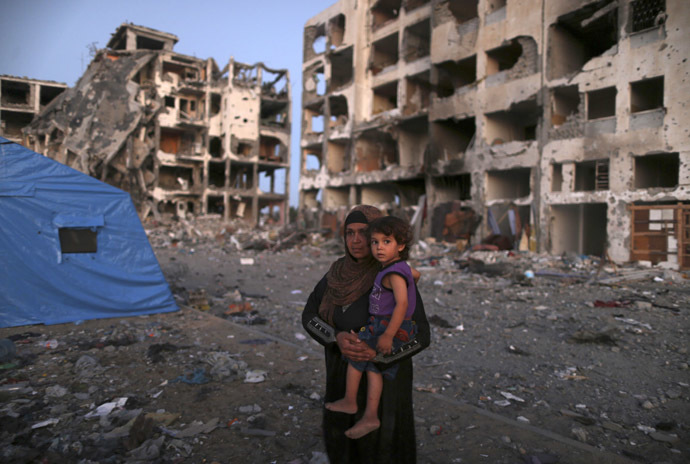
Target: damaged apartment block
179, 134
20, 100
553, 126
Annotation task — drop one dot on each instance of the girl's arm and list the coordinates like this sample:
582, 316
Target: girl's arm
399, 286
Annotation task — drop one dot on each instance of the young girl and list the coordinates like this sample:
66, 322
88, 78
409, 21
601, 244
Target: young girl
391, 305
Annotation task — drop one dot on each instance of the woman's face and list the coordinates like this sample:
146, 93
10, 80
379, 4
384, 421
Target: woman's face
357, 240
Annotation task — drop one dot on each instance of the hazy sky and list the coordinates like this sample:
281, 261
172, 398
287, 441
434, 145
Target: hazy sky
50, 39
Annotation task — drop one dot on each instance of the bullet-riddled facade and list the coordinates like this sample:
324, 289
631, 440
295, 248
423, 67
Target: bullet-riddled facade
178, 133
557, 126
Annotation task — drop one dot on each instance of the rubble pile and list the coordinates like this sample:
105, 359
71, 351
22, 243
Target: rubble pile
574, 346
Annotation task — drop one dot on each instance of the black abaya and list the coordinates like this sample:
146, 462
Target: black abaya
394, 441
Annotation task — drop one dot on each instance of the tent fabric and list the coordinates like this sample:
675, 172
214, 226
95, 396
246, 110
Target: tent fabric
39, 284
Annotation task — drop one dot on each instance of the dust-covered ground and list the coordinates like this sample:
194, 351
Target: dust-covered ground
533, 359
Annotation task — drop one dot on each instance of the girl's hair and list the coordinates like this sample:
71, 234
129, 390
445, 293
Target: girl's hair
397, 228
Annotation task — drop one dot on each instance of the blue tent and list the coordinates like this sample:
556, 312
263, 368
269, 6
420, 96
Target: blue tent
71, 247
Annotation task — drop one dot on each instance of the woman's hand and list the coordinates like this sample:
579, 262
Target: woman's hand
353, 348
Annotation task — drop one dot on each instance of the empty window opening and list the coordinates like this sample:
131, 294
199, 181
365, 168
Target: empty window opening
272, 180
337, 106
417, 93
319, 44
565, 103
241, 176
316, 124
591, 175
336, 197
313, 118
315, 82
314, 41
453, 75
508, 184
215, 204
241, 207
274, 112
384, 11
175, 178
147, 43
463, 10
245, 75
519, 123
413, 139
556, 177
647, 94
170, 102
601, 103
453, 187
336, 30
503, 58
215, 147
507, 222
270, 148
312, 159
384, 53
48, 93
417, 41
579, 229
451, 138
274, 83
15, 93
407, 192
659, 170
244, 149
579, 36
375, 150
182, 72
13, 122
78, 240
495, 5
337, 159
385, 98
216, 174
342, 70
215, 104
647, 14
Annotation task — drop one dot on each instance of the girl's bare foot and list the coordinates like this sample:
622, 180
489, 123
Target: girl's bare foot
362, 427
342, 406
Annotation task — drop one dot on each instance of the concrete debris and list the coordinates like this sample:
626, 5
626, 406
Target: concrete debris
558, 353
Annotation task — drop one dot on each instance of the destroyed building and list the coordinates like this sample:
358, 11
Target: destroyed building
179, 134
20, 100
561, 126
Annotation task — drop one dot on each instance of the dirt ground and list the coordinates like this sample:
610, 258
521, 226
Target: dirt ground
534, 358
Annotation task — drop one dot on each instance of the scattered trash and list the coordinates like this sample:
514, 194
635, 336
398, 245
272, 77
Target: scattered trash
300, 336
197, 377
197, 299
45, 423
510, 396
247, 261
255, 376
7, 350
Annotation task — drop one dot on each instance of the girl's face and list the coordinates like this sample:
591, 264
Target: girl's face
385, 248
357, 240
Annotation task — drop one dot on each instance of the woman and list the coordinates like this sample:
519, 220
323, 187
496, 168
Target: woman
335, 310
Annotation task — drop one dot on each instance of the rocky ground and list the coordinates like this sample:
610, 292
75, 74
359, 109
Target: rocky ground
534, 358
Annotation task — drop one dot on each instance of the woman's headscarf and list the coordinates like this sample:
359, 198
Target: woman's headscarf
348, 278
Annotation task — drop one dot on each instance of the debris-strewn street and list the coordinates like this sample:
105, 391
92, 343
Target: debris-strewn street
534, 358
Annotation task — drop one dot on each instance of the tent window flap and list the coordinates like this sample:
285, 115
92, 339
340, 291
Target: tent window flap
74, 240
